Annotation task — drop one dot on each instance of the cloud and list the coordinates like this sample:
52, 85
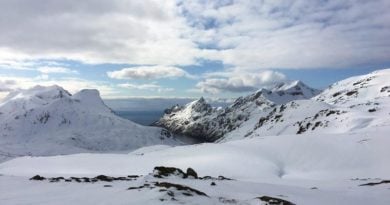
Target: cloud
239, 82
95, 31
242, 33
49, 69
5, 85
150, 87
148, 72
9, 83
291, 34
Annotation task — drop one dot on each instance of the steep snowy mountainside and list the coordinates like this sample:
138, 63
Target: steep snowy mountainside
199, 120
350, 105
49, 120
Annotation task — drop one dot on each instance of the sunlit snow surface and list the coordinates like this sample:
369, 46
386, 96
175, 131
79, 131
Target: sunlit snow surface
287, 166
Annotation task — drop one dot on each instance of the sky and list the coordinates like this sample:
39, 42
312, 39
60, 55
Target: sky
177, 48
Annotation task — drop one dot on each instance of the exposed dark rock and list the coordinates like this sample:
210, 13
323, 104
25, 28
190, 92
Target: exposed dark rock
274, 201
133, 176
384, 89
104, 178
376, 183
161, 172
372, 110
351, 92
301, 130
37, 177
179, 187
56, 179
191, 173
146, 185
77, 179
336, 94
223, 178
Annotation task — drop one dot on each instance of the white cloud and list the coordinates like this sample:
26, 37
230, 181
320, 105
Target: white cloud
244, 33
73, 85
239, 81
149, 86
56, 69
5, 85
148, 72
292, 34
96, 31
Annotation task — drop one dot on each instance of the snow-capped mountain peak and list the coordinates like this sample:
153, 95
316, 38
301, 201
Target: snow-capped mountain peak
49, 120
198, 119
353, 104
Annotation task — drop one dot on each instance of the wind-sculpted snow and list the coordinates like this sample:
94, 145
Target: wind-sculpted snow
49, 121
199, 120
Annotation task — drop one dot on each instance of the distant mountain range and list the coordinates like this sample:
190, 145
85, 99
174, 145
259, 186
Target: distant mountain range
49, 120
289, 108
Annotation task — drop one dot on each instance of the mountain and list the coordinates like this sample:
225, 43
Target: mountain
49, 120
350, 105
200, 120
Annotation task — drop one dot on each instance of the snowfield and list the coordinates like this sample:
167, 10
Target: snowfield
303, 169
286, 145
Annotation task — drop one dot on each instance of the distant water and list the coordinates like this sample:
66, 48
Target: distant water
141, 117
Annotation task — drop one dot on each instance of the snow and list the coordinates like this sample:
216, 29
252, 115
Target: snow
199, 120
353, 104
51, 121
367, 88
288, 165
302, 148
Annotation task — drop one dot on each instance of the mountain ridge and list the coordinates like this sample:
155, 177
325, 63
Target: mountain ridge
210, 124
289, 108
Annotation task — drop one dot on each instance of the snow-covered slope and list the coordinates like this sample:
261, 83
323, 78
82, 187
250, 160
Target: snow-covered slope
199, 120
49, 120
304, 169
359, 90
352, 104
